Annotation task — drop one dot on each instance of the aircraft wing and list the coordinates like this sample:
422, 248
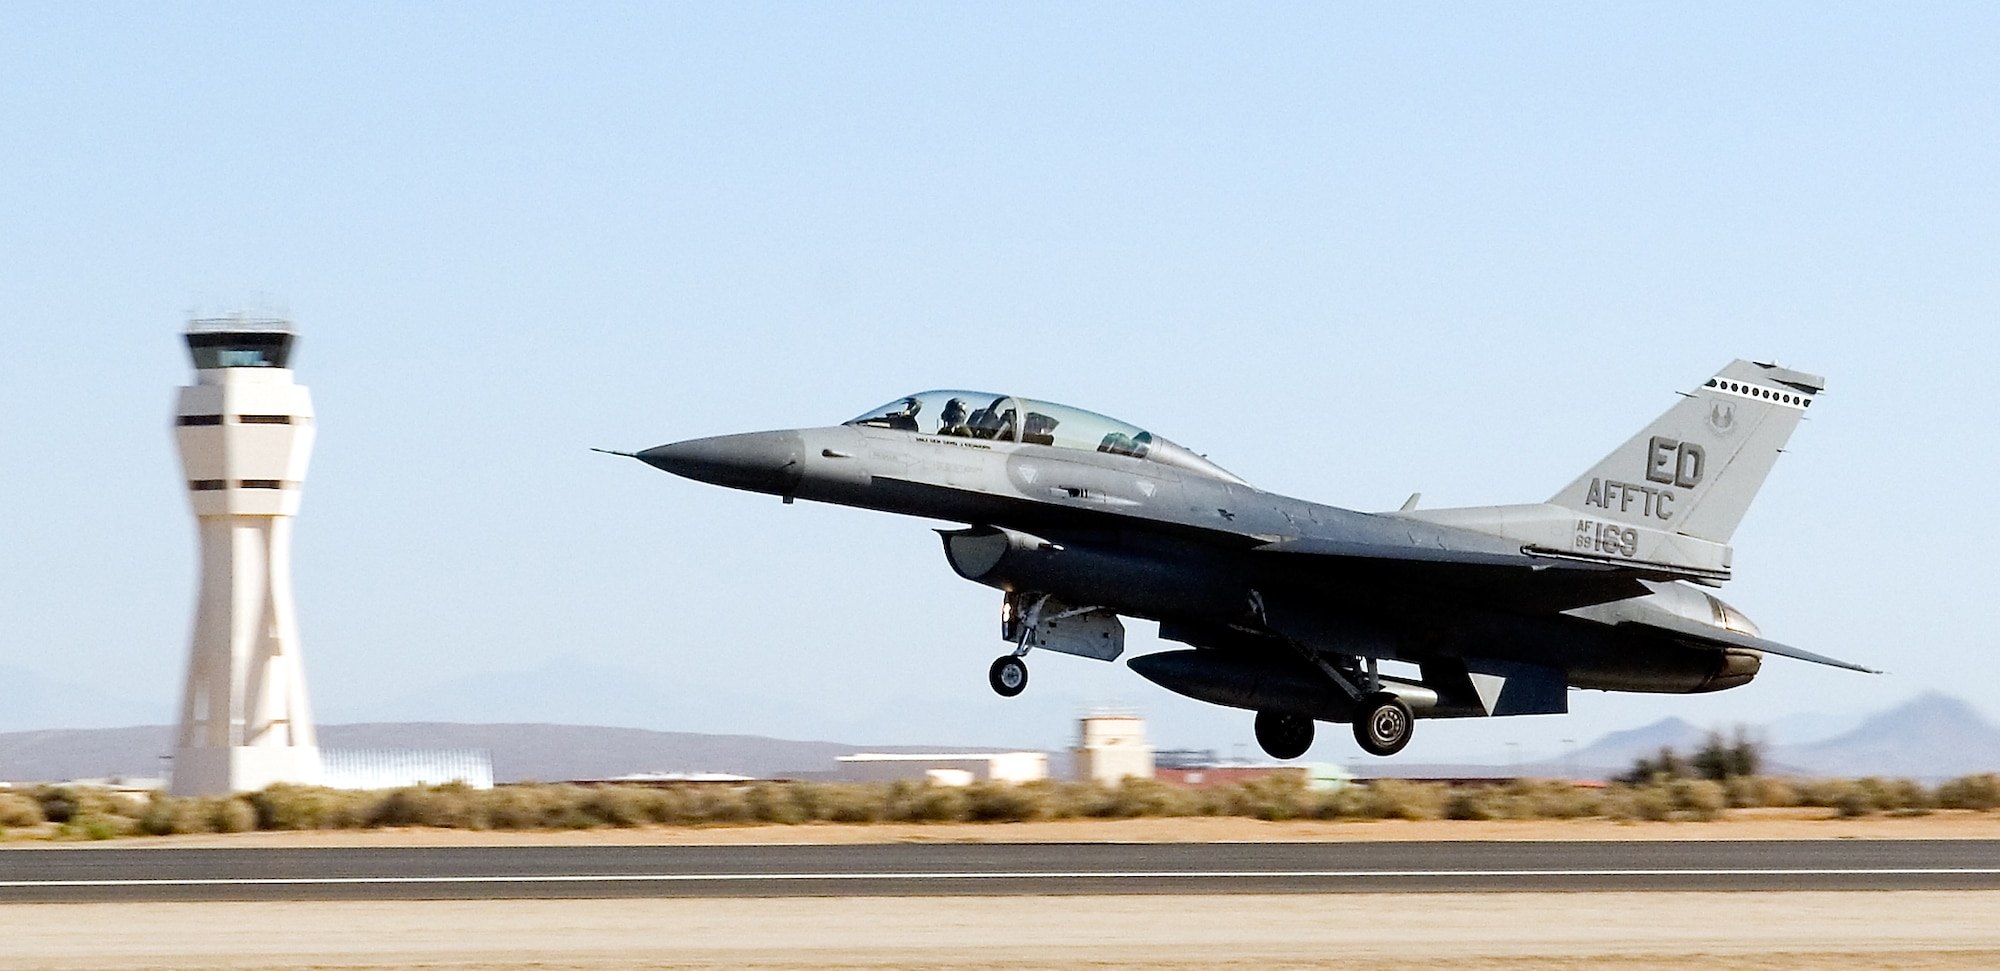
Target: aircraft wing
1718, 635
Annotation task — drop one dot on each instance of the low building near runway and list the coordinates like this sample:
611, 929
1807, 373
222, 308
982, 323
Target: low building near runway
945, 768
673, 780
1195, 768
397, 768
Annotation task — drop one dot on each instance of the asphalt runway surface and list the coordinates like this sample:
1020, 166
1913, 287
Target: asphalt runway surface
94, 874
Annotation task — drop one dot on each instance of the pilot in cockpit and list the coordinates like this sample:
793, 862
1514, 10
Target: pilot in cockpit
906, 419
951, 421
991, 422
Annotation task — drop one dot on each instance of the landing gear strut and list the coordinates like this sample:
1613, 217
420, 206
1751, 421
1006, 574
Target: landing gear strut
1383, 723
1008, 676
1284, 736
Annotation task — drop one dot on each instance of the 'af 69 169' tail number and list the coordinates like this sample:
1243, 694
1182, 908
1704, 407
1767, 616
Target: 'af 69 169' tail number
1608, 538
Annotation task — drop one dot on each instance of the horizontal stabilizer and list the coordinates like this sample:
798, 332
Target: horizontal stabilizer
1719, 635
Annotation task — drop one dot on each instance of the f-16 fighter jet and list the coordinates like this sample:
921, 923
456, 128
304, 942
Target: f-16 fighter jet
1289, 607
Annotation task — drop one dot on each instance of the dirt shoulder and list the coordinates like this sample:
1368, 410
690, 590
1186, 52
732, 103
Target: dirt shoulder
1741, 824
1831, 931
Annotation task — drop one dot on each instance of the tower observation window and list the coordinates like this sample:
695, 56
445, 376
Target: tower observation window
239, 349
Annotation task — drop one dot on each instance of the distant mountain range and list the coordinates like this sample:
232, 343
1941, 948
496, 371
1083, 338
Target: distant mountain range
1930, 737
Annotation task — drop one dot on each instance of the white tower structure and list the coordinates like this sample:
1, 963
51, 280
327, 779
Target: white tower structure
245, 431
1111, 747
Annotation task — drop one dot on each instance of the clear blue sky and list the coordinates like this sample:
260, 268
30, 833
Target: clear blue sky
1351, 251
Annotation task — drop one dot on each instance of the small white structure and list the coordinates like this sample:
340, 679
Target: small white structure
394, 768
245, 431
1113, 747
949, 768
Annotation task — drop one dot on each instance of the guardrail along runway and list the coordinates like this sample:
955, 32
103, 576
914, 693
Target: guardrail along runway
987, 869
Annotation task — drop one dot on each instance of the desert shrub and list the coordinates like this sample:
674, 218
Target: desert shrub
524, 807
450, 806
1853, 800
1479, 802
1072, 800
852, 803
1862, 797
998, 802
772, 802
719, 804
166, 816
1981, 792
1751, 792
921, 802
1402, 799
19, 810
95, 826
1560, 799
1653, 803
624, 806
1132, 798
1896, 795
229, 814
1699, 799
1088, 800
1278, 796
809, 798
1847, 797
1523, 799
294, 807
1822, 793
59, 803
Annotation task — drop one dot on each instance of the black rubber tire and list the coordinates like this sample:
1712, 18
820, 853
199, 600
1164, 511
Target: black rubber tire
1008, 676
1383, 724
1284, 736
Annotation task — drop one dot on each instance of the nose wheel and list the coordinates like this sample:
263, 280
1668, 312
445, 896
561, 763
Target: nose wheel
1284, 736
1382, 724
1008, 676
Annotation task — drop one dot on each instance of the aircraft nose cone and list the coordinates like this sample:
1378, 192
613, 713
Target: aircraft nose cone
759, 462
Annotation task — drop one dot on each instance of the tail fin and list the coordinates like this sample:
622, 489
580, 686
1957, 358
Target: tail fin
1696, 468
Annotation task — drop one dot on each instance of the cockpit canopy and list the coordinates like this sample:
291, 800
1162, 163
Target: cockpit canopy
999, 417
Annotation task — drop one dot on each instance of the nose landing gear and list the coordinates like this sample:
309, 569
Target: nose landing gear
1008, 676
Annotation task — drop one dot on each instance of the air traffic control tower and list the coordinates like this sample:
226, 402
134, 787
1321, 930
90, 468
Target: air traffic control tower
245, 431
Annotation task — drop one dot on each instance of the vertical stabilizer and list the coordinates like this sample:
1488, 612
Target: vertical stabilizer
1695, 469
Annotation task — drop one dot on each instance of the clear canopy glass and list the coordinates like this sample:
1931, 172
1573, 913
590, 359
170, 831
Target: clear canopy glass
999, 417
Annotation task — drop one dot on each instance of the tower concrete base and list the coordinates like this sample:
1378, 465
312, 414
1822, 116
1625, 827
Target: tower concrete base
243, 768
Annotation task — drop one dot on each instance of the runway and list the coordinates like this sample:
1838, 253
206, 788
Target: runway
95, 874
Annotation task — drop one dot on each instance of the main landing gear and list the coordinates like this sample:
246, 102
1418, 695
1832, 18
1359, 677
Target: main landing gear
1284, 736
1383, 724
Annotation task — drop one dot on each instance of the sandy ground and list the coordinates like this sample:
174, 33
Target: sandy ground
1741, 824
1908, 929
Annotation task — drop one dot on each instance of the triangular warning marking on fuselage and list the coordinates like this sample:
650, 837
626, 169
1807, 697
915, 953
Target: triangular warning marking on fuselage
1488, 686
